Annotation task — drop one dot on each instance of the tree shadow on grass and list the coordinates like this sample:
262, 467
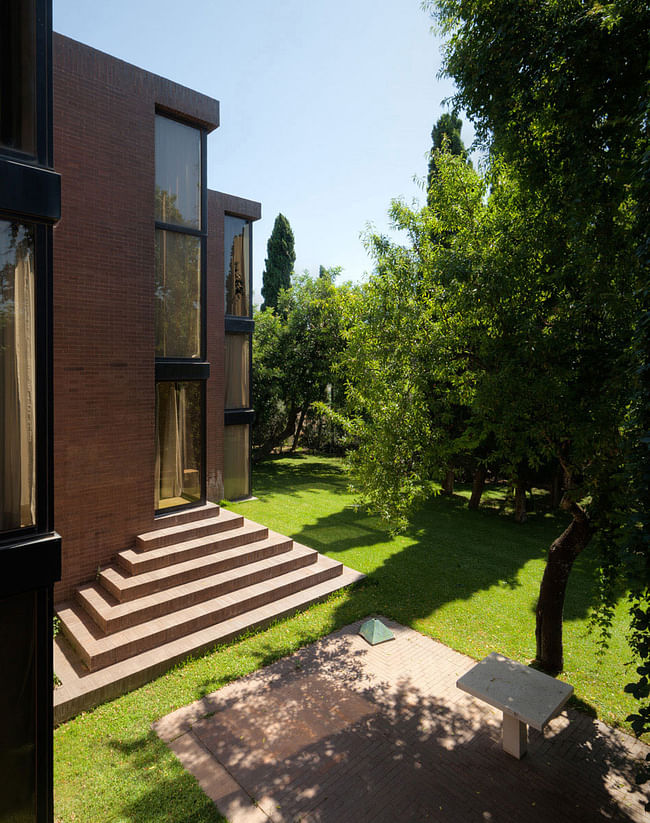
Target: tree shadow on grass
448, 553
452, 550
300, 473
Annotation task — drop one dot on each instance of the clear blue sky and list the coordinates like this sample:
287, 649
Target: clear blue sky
326, 108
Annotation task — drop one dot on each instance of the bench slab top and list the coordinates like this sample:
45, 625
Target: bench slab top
531, 696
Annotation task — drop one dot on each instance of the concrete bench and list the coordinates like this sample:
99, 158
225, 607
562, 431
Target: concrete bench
525, 696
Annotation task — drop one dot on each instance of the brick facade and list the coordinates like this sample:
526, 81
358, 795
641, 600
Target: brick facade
104, 375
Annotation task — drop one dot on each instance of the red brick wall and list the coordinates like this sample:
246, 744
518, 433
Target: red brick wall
103, 303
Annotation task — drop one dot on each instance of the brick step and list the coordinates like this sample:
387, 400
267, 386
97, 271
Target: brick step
238, 552
262, 564
82, 690
97, 651
168, 535
188, 515
134, 562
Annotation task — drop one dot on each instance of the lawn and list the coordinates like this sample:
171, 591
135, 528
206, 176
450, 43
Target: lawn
469, 579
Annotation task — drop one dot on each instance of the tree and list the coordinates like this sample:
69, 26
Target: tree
279, 262
446, 134
561, 91
497, 309
294, 353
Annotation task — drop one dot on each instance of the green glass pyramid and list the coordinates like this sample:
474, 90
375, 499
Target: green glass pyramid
375, 632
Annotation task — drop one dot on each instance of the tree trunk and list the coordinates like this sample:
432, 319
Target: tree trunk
448, 482
478, 484
296, 436
550, 605
520, 503
267, 447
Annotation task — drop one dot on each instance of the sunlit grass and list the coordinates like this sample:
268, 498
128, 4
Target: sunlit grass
469, 579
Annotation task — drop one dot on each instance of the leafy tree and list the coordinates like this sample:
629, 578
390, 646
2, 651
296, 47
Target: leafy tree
293, 358
561, 90
481, 312
445, 134
279, 262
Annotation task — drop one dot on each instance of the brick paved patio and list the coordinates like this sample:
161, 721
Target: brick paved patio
344, 732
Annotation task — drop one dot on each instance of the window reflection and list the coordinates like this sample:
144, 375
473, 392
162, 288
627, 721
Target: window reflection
178, 173
179, 443
17, 377
236, 463
178, 294
237, 368
237, 265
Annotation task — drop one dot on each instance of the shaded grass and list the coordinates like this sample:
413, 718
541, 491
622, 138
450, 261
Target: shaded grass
469, 579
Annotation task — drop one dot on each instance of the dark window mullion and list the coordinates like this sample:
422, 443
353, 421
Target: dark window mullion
180, 229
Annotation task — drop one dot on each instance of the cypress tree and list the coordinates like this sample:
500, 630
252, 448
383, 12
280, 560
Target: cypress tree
279, 262
448, 126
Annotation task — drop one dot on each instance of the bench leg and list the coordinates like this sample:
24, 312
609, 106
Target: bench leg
514, 736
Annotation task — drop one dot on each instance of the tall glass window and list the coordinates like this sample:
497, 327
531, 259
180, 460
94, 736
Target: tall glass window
236, 461
179, 319
179, 443
18, 75
178, 173
17, 377
237, 371
178, 294
237, 243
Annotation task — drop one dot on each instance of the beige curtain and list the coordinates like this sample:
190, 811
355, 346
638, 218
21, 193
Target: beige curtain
169, 443
237, 359
26, 380
236, 481
18, 395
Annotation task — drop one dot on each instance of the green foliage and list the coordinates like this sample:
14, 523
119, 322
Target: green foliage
562, 91
294, 355
279, 262
480, 319
446, 135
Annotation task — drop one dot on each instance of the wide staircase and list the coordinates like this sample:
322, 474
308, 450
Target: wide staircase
203, 577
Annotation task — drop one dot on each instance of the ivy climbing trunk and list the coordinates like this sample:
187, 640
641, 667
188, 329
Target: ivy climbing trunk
550, 605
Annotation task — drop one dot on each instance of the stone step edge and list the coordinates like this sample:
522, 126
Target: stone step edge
135, 562
114, 617
166, 518
125, 588
156, 538
98, 652
81, 690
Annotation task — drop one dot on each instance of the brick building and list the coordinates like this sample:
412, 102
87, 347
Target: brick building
151, 373
139, 330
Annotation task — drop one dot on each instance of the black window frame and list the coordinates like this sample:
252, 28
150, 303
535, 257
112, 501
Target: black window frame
30, 558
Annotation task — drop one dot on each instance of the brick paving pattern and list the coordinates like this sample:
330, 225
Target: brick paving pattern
344, 732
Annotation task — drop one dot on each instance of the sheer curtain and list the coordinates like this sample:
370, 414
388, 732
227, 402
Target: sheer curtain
169, 469
236, 371
17, 382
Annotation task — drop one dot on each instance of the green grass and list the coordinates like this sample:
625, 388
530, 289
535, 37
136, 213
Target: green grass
469, 579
